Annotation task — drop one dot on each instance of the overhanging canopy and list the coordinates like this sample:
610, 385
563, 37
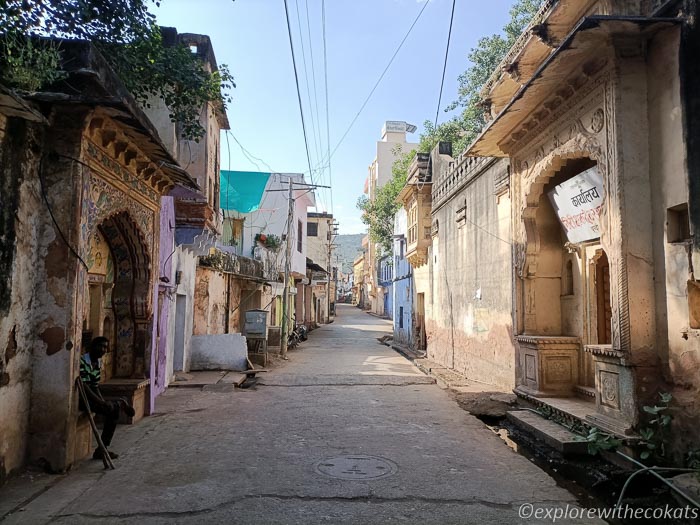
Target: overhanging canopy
242, 191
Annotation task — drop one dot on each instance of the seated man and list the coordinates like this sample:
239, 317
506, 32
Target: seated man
90, 376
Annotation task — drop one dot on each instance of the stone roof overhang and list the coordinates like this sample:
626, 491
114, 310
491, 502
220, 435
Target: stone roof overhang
92, 82
548, 28
12, 105
575, 61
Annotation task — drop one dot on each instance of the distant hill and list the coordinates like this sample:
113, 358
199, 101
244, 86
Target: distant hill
348, 247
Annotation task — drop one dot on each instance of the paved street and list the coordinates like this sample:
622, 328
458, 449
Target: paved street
347, 431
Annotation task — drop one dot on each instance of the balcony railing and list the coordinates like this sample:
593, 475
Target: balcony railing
462, 171
235, 264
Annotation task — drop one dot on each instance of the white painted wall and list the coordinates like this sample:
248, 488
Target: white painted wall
271, 217
219, 352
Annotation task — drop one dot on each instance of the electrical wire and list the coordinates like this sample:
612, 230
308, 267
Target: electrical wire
328, 129
53, 218
357, 115
249, 155
444, 67
296, 78
306, 77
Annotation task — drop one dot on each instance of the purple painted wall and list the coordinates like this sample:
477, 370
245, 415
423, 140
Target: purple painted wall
161, 300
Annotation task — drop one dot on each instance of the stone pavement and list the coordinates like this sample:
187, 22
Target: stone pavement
347, 431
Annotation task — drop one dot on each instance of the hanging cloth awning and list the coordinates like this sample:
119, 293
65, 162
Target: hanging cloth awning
242, 191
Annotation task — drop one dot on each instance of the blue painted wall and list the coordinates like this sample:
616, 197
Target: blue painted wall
402, 285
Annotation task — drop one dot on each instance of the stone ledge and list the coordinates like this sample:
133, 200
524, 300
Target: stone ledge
553, 434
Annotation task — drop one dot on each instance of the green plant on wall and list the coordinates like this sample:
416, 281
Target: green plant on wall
599, 441
268, 240
655, 434
130, 40
30, 64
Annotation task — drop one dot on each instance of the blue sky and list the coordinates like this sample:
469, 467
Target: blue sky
250, 36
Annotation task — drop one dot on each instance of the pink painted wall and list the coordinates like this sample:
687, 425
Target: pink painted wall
161, 300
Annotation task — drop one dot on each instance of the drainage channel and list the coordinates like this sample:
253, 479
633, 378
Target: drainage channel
595, 483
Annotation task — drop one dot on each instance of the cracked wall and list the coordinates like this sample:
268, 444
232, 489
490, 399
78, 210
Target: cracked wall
470, 326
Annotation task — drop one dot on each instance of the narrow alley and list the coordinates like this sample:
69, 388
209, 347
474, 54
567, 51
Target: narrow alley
346, 431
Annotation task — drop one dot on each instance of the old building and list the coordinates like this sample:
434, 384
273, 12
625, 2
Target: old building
83, 174
594, 106
320, 234
416, 199
392, 143
470, 325
402, 284
255, 226
190, 220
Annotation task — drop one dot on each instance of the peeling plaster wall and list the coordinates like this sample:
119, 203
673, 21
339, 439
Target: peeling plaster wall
470, 326
679, 345
57, 308
209, 302
21, 223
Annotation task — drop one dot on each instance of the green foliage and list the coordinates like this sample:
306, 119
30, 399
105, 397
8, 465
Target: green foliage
484, 58
655, 434
378, 214
129, 39
30, 64
172, 73
268, 240
599, 441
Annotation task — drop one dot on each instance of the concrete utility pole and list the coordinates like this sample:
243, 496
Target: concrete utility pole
287, 270
331, 231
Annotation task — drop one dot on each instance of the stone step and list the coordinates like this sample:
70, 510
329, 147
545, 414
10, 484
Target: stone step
553, 434
584, 392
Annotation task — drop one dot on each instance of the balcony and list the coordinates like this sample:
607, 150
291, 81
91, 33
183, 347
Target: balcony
234, 264
461, 172
416, 197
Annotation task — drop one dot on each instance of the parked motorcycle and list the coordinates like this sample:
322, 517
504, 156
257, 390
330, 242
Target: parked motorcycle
299, 334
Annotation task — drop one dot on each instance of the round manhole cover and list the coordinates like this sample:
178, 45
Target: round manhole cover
356, 467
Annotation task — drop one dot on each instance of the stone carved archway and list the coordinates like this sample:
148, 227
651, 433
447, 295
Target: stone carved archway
131, 293
582, 145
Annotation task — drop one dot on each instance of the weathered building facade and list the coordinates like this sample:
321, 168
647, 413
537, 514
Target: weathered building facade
84, 179
470, 327
393, 143
402, 285
592, 107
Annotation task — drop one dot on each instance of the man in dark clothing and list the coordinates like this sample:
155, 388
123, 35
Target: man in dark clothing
90, 376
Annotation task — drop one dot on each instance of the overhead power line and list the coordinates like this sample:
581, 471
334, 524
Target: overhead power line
325, 74
296, 78
306, 77
444, 67
376, 84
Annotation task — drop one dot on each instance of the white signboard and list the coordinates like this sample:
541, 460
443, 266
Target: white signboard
577, 202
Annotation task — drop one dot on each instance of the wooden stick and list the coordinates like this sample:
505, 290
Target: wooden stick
106, 458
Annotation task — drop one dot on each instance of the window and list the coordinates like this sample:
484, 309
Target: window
300, 236
678, 223
413, 222
400, 316
312, 229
